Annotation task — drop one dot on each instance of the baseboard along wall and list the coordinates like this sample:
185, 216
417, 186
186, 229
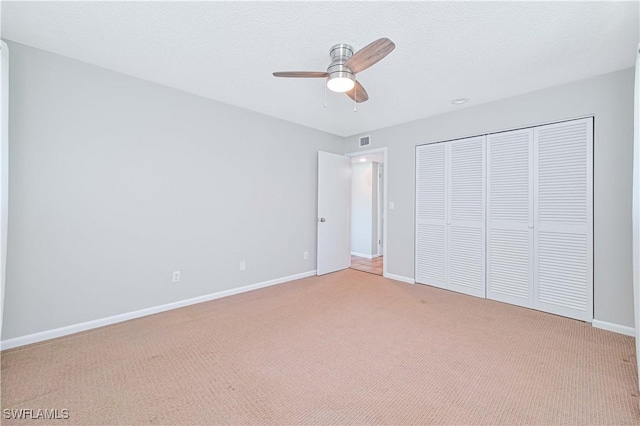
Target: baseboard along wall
76, 328
604, 325
616, 328
399, 278
366, 256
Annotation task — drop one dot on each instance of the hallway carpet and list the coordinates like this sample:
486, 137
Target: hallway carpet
345, 348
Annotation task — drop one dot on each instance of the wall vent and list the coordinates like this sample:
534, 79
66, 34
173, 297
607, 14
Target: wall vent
365, 141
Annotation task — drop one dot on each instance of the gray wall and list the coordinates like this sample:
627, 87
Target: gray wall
610, 98
361, 207
116, 182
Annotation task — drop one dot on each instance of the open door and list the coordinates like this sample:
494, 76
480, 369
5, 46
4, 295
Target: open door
334, 213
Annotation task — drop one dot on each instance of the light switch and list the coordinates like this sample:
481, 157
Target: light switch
392, 205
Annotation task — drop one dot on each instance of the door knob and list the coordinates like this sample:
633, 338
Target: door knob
321, 219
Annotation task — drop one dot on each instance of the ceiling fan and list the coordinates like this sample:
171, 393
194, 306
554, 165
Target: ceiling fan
341, 73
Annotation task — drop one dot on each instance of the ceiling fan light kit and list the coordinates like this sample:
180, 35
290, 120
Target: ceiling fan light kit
345, 64
341, 79
341, 83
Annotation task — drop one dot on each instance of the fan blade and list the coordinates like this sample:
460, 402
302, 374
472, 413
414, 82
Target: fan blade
369, 55
301, 74
358, 93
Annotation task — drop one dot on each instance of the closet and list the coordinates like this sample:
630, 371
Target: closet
509, 216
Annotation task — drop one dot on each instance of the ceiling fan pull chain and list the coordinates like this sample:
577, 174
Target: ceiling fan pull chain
325, 95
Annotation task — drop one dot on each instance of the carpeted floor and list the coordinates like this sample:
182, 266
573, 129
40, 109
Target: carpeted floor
346, 348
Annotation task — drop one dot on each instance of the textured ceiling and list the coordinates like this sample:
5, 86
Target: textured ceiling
445, 50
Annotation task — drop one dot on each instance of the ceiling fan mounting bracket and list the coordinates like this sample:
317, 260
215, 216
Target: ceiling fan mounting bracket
341, 50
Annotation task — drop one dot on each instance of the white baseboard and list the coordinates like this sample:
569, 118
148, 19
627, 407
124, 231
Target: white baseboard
400, 278
366, 256
616, 328
76, 328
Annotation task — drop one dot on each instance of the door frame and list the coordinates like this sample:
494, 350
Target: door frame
380, 207
4, 168
385, 199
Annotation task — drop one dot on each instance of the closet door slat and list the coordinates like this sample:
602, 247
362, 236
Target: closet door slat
430, 266
466, 216
563, 237
510, 217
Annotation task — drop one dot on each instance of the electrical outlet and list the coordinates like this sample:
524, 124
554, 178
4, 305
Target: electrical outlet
176, 276
306, 255
243, 265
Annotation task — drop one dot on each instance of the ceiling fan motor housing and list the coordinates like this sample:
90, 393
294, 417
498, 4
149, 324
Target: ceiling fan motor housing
340, 53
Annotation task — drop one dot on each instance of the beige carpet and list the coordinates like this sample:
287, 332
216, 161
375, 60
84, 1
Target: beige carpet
347, 348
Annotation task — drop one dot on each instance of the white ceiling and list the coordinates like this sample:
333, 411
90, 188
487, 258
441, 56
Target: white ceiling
445, 50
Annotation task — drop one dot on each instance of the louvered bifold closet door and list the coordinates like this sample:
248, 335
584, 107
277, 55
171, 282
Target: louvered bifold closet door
510, 217
466, 216
563, 237
430, 215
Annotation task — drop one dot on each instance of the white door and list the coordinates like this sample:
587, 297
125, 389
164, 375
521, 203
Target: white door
334, 213
563, 218
466, 216
450, 217
510, 217
430, 262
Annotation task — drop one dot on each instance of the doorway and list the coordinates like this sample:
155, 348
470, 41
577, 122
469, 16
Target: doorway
368, 213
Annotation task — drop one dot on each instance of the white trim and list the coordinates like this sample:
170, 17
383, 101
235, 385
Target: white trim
399, 278
366, 256
616, 328
380, 207
491, 132
4, 168
636, 207
386, 201
76, 328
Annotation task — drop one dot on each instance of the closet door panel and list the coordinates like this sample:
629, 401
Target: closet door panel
466, 216
510, 217
563, 237
509, 271
430, 262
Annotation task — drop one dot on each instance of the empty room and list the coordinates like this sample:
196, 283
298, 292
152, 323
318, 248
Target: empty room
299, 213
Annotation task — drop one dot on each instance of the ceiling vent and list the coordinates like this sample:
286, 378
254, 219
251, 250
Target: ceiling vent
365, 141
